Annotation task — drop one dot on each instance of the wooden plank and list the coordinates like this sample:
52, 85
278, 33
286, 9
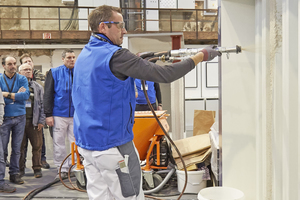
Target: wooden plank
75, 34
207, 35
38, 35
85, 35
189, 35
15, 34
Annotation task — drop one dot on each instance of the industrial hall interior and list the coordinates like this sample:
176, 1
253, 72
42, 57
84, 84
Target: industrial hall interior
150, 99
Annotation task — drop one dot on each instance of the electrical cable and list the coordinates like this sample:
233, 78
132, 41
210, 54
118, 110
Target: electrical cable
34, 192
59, 173
166, 134
75, 187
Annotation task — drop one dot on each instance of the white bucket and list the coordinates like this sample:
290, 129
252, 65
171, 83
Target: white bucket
195, 182
220, 193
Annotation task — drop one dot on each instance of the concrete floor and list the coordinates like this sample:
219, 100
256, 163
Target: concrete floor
58, 190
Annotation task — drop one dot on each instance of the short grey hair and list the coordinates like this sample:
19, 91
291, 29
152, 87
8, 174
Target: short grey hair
23, 65
63, 54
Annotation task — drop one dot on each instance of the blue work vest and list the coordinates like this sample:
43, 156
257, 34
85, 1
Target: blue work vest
63, 106
104, 105
141, 99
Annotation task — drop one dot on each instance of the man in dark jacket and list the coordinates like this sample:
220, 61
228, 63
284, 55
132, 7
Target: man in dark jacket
35, 120
59, 108
39, 78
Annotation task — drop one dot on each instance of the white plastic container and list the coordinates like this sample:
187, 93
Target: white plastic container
195, 182
220, 193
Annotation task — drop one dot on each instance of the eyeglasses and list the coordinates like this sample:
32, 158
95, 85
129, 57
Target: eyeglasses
120, 25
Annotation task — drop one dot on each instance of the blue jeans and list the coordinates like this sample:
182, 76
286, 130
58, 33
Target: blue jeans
2, 163
15, 125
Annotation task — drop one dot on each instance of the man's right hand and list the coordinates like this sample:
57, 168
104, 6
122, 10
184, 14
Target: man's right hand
50, 121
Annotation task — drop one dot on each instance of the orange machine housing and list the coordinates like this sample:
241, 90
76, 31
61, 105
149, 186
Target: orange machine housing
147, 132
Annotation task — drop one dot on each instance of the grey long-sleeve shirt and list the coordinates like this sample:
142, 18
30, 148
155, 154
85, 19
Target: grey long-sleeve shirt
124, 63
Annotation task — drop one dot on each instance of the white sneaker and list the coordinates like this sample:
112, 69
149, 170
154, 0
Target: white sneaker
63, 175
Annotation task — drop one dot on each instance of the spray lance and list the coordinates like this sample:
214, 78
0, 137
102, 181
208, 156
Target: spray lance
182, 54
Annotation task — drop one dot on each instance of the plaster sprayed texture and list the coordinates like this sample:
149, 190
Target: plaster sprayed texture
32, 2
274, 53
42, 58
32, 52
41, 18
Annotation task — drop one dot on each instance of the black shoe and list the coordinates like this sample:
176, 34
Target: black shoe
38, 173
7, 188
7, 163
16, 179
22, 172
45, 165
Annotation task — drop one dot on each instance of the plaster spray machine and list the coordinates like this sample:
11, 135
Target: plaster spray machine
150, 133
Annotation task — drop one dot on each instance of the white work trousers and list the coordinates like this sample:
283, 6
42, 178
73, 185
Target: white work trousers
103, 182
63, 127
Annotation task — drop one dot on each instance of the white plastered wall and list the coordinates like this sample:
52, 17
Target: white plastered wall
260, 98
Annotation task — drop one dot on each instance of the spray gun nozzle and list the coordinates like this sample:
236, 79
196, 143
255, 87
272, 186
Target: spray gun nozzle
237, 49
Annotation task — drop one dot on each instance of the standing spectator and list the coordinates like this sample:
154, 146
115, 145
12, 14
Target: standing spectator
37, 75
15, 90
59, 108
153, 92
39, 78
35, 120
104, 101
3, 187
5, 152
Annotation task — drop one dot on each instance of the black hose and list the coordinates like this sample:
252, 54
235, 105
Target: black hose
167, 135
31, 194
34, 192
72, 16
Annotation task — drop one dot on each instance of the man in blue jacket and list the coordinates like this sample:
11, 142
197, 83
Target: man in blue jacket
15, 92
104, 101
59, 108
153, 92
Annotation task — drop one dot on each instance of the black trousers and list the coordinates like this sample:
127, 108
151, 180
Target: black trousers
144, 107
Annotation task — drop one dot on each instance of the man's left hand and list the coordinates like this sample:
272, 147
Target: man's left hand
22, 89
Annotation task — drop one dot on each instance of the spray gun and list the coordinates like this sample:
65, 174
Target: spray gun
182, 54
237, 49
